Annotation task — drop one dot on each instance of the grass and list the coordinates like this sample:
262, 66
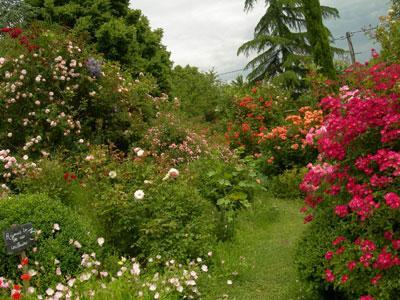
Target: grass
259, 261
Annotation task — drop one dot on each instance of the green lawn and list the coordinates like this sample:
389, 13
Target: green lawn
259, 261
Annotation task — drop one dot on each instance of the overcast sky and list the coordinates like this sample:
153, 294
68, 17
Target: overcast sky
207, 33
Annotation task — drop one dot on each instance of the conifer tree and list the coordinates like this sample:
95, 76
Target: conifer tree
318, 37
281, 42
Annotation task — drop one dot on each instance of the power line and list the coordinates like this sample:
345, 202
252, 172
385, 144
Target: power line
235, 71
343, 37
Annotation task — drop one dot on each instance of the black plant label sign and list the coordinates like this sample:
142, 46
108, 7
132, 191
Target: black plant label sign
18, 238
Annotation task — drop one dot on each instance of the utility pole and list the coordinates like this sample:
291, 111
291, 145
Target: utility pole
351, 48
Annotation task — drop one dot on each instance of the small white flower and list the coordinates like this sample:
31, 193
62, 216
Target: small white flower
103, 274
58, 271
31, 290
56, 227
112, 174
100, 241
50, 292
89, 158
9, 134
139, 195
37, 102
152, 287
85, 277
229, 282
71, 282
25, 157
60, 287
140, 153
77, 245
204, 268
157, 295
81, 141
135, 269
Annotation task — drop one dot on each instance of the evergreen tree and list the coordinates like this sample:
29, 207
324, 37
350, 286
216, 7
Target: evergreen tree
15, 13
280, 42
318, 37
121, 33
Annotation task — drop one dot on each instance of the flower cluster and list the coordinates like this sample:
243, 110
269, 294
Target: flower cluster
357, 178
17, 33
277, 138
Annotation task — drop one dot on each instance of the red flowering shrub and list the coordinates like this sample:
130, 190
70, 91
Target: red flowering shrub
265, 128
353, 190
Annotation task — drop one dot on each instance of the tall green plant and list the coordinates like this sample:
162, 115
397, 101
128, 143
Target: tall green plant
280, 41
318, 37
121, 33
15, 13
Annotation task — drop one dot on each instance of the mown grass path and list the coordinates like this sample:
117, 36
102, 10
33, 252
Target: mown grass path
259, 261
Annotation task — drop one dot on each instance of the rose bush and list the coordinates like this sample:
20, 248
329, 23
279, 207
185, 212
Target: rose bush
354, 186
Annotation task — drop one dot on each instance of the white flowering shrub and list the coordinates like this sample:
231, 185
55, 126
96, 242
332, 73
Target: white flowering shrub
55, 94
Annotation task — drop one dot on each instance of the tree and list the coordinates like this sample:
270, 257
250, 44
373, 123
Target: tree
318, 36
121, 33
200, 93
15, 13
280, 42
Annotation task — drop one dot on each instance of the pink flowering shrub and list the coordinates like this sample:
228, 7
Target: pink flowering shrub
352, 192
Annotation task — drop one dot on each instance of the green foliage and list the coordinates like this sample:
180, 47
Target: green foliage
43, 212
318, 36
172, 220
286, 185
15, 13
69, 100
230, 186
282, 47
311, 250
388, 35
122, 34
200, 94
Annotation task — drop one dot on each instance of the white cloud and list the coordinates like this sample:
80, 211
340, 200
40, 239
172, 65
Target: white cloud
207, 33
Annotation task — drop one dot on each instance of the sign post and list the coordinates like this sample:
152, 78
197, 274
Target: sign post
17, 239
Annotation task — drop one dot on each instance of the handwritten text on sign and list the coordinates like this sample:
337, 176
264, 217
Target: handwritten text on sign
18, 238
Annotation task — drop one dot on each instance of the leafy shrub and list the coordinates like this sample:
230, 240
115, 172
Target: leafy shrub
172, 141
55, 93
230, 186
200, 94
171, 220
388, 35
286, 185
44, 212
263, 126
352, 191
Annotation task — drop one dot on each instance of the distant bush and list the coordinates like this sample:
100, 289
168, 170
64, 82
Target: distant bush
200, 94
52, 243
286, 185
266, 128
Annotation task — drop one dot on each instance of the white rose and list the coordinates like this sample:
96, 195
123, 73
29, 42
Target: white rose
139, 195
